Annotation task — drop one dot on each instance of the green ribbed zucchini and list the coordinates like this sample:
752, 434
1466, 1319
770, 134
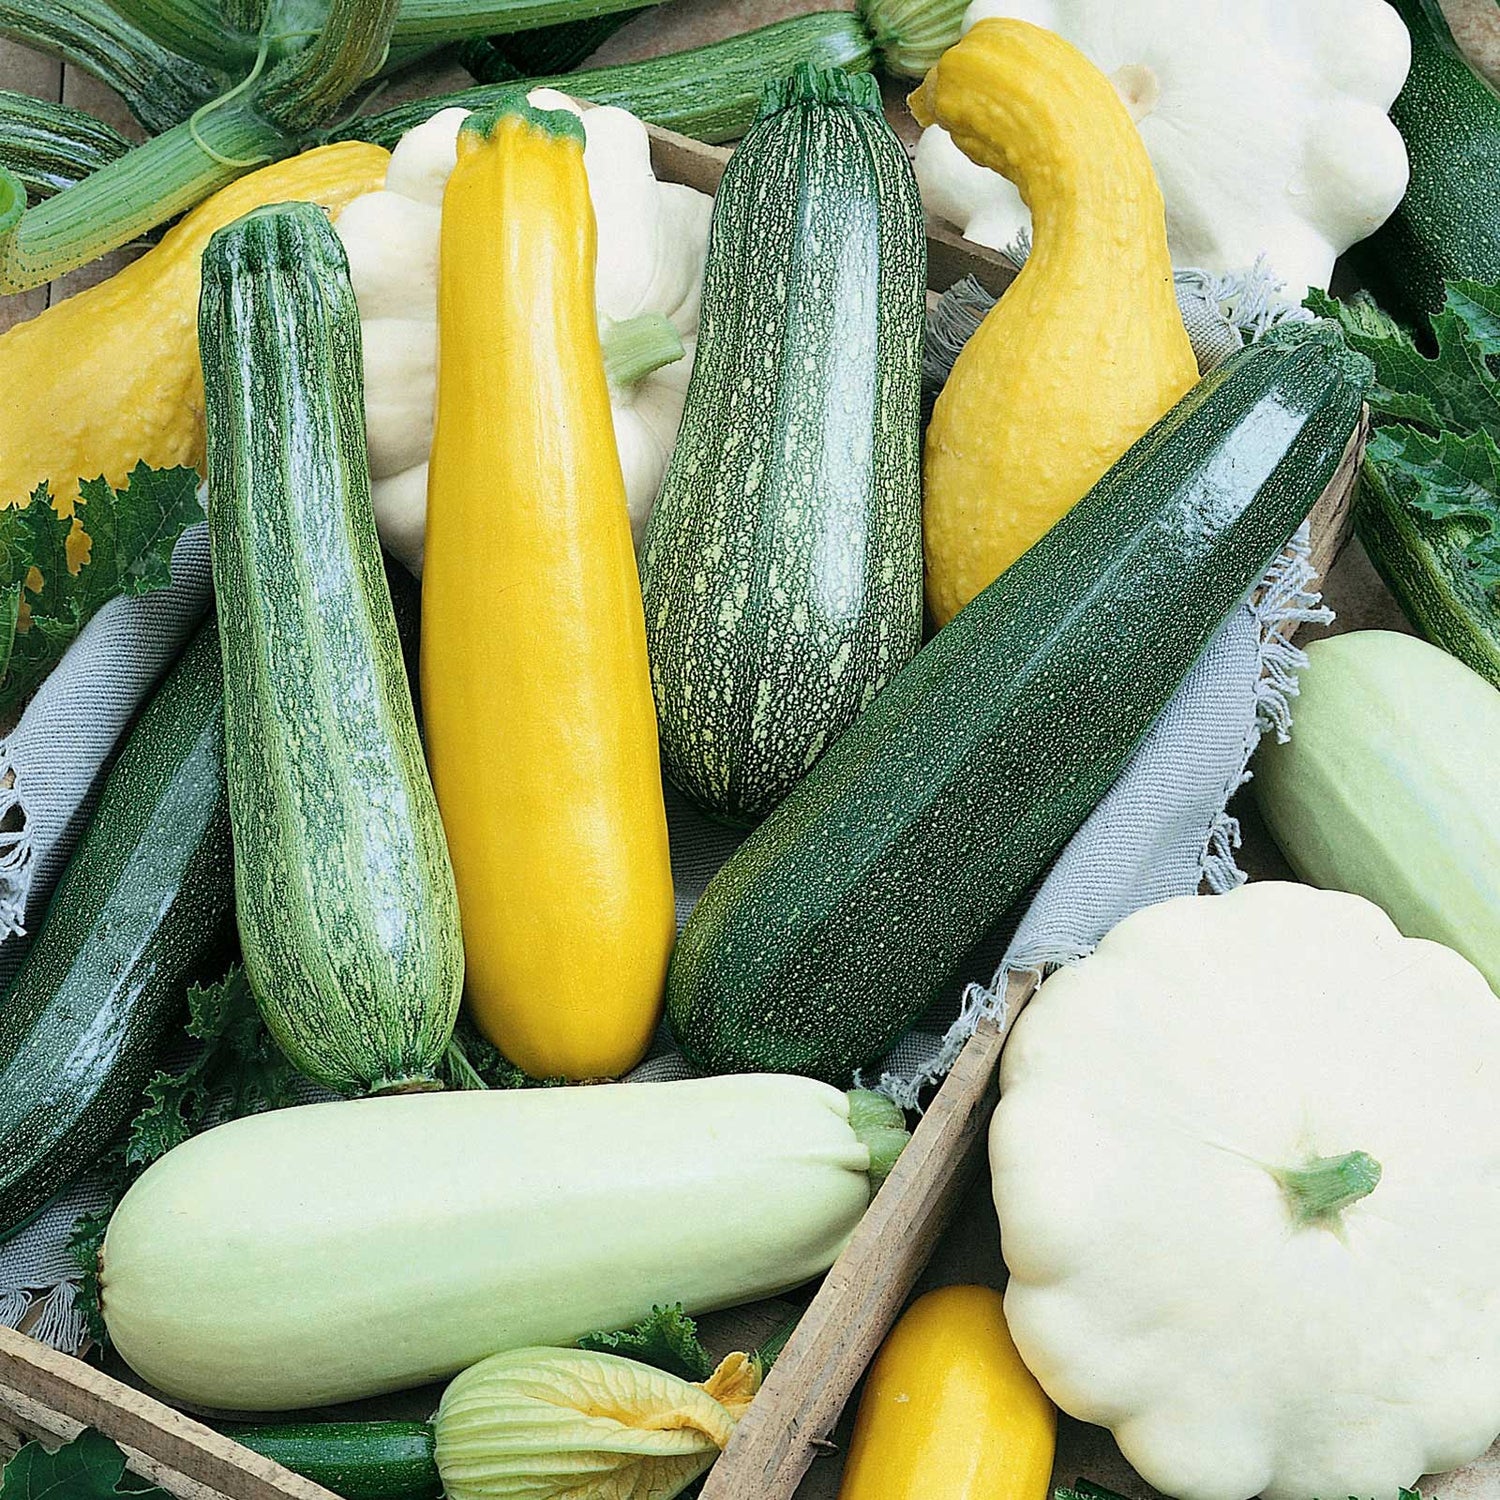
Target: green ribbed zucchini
841, 918
48, 146
1447, 228
710, 93
356, 1460
782, 565
344, 894
142, 910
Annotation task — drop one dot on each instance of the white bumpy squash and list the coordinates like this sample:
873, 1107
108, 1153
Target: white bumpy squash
333, 1251
1247, 1168
653, 240
1265, 121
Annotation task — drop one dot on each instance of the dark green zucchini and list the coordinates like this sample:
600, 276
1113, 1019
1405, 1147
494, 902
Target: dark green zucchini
1447, 228
142, 911
356, 1460
782, 565
837, 922
711, 92
49, 146
549, 49
344, 895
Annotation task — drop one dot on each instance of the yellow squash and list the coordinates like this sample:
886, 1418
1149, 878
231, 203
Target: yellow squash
949, 1412
536, 694
1086, 349
111, 376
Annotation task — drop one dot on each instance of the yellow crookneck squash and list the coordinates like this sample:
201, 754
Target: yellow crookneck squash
536, 693
949, 1412
1086, 349
110, 377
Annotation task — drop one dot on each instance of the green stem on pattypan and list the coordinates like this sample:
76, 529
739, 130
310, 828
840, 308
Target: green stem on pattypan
910, 35
880, 1127
1323, 1187
634, 347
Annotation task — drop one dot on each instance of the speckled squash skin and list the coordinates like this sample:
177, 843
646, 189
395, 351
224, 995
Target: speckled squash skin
142, 910
838, 921
782, 566
343, 890
1086, 349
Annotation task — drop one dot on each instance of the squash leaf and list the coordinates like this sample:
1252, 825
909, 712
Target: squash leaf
668, 1339
1439, 421
239, 1071
43, 605
89, 1468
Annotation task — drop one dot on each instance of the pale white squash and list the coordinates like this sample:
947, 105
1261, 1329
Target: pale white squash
653, 240
1265, 120
1158, 1103
334, 1251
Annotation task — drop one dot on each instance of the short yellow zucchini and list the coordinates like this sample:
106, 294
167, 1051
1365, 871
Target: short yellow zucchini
1086, 349
541, 729
949, 1411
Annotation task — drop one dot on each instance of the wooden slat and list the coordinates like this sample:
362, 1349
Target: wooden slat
190, 1459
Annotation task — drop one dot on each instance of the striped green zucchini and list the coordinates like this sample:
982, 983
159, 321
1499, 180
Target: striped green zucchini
143, 909
710, 93
49, 146
782, 566
344, 894
839, 920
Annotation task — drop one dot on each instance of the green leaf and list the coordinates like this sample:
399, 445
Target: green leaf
89, 1468
131, 534
240, 1071
473, 1062
667, 1339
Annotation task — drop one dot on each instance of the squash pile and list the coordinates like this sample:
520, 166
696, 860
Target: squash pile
659, 461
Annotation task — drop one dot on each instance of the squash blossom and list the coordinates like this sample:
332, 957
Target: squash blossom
538, 1424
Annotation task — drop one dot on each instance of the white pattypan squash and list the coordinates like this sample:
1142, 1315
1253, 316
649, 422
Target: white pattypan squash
1266, 123
653, 239
1246, 1162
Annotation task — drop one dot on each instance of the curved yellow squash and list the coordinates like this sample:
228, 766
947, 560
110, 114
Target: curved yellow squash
111, 376
1086, 349
541, 730
949, 1412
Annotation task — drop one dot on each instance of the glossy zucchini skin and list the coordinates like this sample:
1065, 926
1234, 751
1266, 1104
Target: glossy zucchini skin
343, 891
836, 923
143, 909
1447, 228
710, 93
356, 1460
782, 565
49, 146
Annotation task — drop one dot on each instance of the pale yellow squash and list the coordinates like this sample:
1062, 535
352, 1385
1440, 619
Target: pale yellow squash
1086, 349
949, 1412
541, 730
110, 377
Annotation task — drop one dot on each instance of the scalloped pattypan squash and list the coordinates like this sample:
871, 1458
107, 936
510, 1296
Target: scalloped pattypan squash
1247, 1168
1266, 124
653, 240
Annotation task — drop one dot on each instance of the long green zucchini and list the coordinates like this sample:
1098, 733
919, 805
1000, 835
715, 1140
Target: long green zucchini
837, 922
711, 93
1390, 787
1447, 228
782, 566
344, 894
356, 1460
142, 910
49, 147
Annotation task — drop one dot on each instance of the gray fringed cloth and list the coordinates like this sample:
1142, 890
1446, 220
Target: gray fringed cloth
1162, 831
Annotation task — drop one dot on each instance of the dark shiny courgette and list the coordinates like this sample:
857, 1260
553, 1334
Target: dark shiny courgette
356, 1460
141, 911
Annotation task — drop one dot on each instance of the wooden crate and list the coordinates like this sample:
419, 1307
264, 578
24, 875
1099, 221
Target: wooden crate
47, 1394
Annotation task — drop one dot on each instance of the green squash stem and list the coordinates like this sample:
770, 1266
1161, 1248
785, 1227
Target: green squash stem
1323, 1187
637, 346
194, 29
910, 35
159, 88
880, 1126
